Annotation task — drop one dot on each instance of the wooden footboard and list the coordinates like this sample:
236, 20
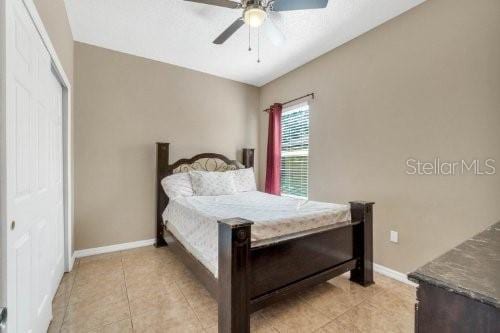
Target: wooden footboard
253, 277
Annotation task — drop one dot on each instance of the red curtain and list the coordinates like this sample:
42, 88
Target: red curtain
273, 171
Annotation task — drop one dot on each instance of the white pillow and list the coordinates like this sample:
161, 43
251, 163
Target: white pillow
207, 183
177, 185
244, 180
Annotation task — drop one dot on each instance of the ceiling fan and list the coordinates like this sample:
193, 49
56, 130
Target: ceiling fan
257, 12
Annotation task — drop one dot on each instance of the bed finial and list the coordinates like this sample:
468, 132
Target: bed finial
248, 157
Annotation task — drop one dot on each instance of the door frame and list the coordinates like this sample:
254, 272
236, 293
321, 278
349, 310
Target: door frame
68, 189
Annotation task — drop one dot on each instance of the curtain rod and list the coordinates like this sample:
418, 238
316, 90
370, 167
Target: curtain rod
294, 100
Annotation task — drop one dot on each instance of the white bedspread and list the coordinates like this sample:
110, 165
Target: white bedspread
193, 220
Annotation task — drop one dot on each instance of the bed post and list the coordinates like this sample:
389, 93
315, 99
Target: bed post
233, 297
363, 242
248, 157
162, 151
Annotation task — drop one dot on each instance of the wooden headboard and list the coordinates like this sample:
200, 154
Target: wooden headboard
201, 162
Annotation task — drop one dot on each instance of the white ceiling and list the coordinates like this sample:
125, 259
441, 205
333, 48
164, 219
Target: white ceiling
181, 33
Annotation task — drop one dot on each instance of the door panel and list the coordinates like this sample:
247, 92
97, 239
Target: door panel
42, 265
24, 118
34, 158
23, 284
43, 141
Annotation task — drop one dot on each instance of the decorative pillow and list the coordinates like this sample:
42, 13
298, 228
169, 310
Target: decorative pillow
244, 180
210, 183
177, 185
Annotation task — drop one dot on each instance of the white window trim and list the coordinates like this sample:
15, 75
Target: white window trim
286, 195
296, 107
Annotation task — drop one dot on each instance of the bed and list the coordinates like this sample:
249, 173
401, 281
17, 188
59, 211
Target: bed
275, 246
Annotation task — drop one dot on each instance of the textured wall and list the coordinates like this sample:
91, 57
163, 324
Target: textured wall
426, 84
124, 104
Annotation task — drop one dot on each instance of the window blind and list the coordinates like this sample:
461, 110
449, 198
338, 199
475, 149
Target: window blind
295, 151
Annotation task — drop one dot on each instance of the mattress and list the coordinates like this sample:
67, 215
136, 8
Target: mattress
193, 220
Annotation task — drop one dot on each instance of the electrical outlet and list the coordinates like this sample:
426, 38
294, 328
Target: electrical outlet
394, 236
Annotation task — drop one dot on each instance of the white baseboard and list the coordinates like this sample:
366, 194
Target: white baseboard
72, 261
113, 248
401, 277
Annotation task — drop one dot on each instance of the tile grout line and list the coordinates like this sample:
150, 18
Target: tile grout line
101, 325
344, 312
126, 290
70, 292
365, 300
340, 314
270, 321
191, 307
328, 315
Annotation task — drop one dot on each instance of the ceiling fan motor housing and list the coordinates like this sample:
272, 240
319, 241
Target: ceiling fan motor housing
254, 14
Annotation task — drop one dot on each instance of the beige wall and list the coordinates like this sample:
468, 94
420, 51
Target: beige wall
423, 85
124, 104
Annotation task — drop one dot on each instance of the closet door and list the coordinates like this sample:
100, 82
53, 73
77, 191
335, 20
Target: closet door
56, 194
34, 190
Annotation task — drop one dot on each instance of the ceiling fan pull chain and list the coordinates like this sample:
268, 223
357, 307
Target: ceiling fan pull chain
249, 39
258, 45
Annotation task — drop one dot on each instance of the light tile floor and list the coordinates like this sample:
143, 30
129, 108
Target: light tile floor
149, 290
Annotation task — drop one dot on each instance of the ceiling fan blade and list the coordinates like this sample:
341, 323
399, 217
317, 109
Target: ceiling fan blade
220, 3
284, 5
229, 31
273, 33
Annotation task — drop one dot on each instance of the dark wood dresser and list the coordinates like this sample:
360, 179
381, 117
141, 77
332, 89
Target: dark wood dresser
460, 291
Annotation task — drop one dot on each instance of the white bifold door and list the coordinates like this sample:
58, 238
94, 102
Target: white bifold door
34, 176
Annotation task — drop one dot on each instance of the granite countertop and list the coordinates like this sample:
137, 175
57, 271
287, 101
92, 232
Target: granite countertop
471, 269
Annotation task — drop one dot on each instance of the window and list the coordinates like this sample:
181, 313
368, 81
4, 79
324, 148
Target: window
295, 151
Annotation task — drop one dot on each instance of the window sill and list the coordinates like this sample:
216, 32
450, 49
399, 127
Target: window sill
294, 196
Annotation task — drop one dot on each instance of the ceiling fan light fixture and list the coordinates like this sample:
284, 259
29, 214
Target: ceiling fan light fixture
254, 16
